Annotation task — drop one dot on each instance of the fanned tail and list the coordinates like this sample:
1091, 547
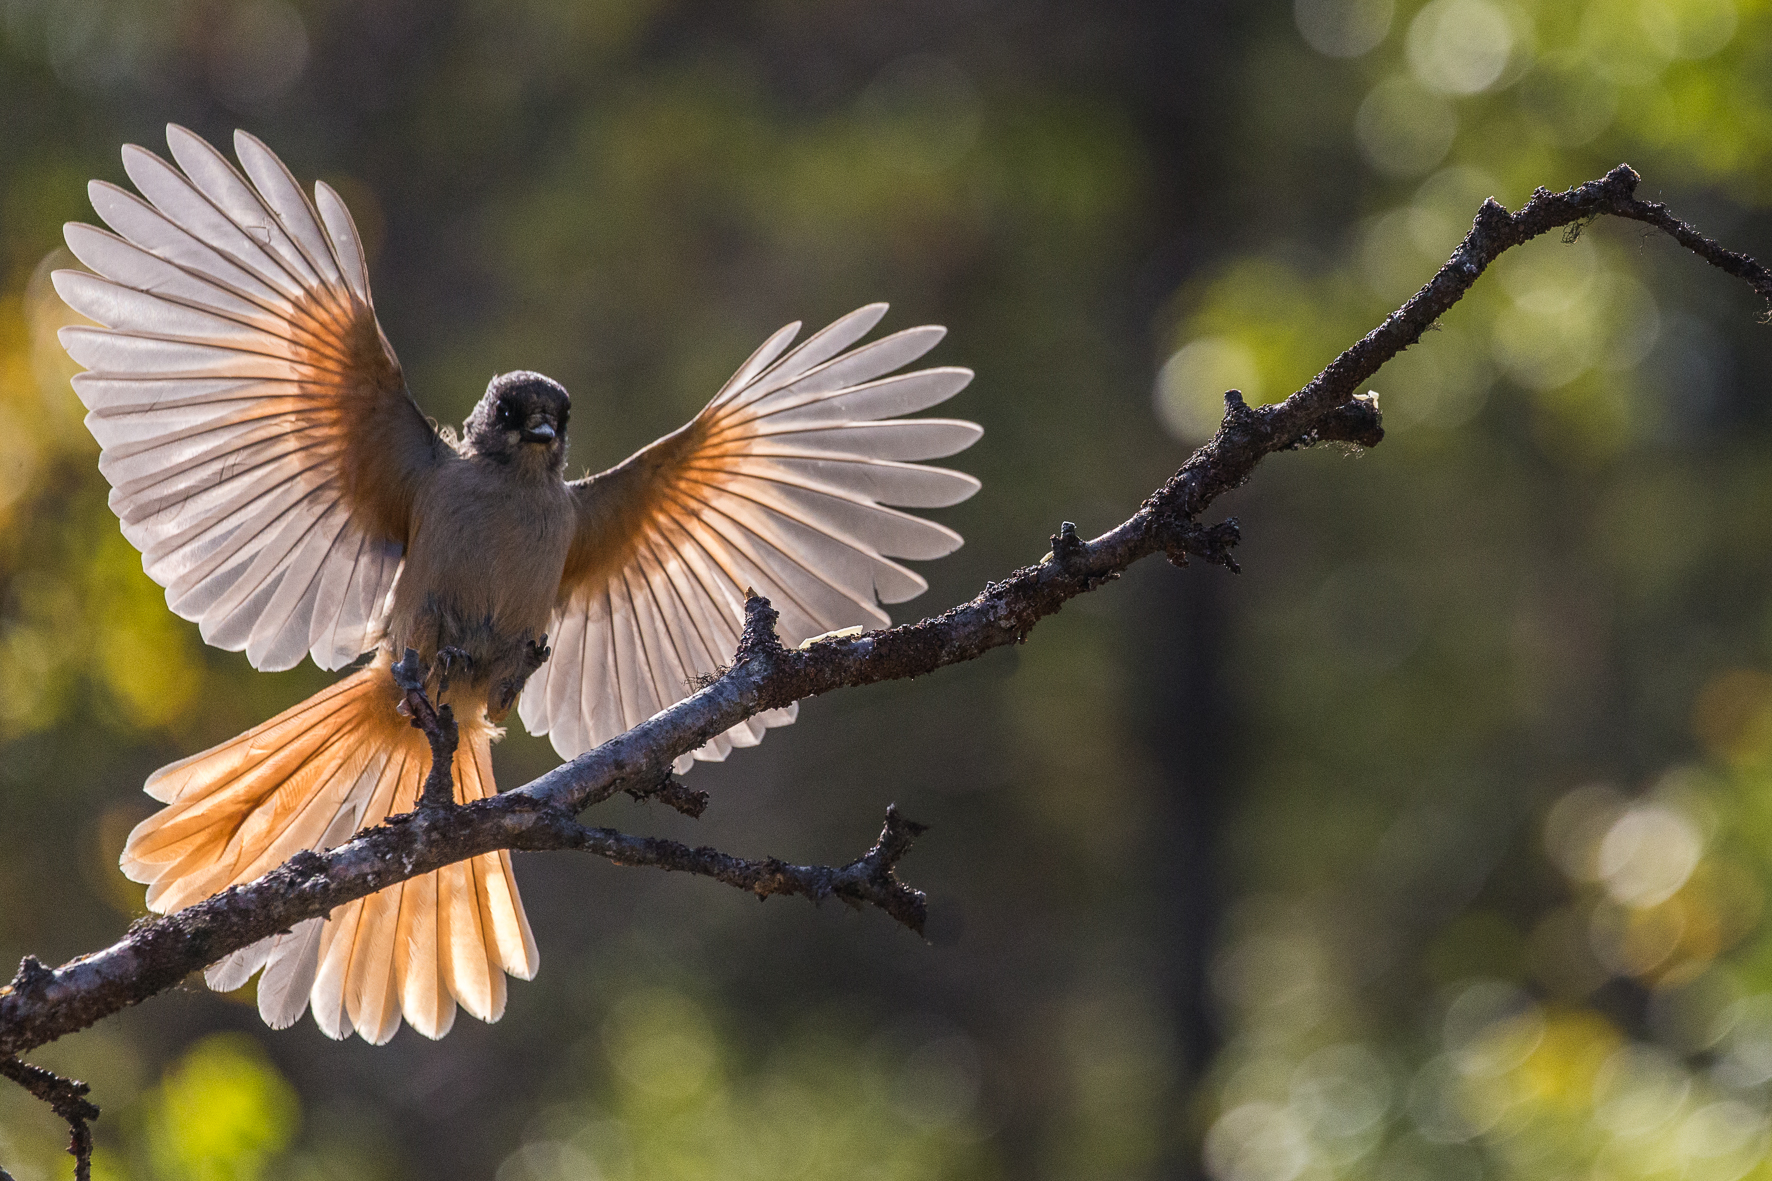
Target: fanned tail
308, 779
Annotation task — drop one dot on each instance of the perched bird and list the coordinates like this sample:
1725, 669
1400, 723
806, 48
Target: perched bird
267, 458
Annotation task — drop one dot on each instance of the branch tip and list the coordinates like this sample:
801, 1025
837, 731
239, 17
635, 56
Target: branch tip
758, 640
1068, 550
1235, 408
1624, 179
32, 979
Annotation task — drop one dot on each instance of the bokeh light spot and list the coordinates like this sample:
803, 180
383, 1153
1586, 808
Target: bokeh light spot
1491, 1027
662, 1044
1638, 1090
1575, 826
1341, 1090
1192, 384
1459, 46
257, 52
1256, 1142
222, 1112
1688, 28
1648, 854
1403, 129
1343, 28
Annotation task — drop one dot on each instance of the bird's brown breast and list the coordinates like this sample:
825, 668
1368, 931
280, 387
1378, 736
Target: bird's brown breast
482, 571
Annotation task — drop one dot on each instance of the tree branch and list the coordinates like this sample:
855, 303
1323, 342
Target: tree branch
868, 880
66, 1097
157, 954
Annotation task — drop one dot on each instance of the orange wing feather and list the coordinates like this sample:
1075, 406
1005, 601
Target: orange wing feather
256, 428
781, 484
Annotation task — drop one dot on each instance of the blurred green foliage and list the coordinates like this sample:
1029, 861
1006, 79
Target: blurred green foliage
222, 1114
1568, 583
1434, 845
824, 1104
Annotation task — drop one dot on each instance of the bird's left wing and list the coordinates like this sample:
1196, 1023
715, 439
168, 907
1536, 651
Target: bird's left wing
781, 484
256, 429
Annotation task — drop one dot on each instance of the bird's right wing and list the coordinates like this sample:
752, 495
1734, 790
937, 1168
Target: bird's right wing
261, 445
781, 485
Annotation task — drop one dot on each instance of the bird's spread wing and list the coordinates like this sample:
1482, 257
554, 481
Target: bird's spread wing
780, 485
256, 429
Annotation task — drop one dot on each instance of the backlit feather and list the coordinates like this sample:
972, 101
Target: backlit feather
783, 484
308, 778
253, 421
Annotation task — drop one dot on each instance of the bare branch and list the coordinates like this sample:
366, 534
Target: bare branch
66, 1097
868, 880
764, 675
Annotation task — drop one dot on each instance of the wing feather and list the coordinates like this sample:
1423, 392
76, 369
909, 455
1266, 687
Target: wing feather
192, 203
784, 484
283, 198
256, 429
347, 247
129, 265
146, 227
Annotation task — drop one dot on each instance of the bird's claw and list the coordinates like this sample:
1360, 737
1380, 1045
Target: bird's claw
447, 659
535, 654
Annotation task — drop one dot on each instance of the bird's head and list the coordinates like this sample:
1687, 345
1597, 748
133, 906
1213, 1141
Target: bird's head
521, 419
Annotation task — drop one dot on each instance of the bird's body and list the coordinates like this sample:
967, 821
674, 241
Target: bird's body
491, 529
267, 458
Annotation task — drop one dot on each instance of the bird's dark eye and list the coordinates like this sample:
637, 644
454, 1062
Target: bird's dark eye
507, 414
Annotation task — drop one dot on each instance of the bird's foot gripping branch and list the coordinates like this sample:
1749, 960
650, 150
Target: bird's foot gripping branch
45, 1004
437, 724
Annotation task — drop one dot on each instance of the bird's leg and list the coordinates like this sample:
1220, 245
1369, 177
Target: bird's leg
535, 654
438, 724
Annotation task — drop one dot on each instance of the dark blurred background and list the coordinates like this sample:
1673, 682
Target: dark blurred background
1433, 845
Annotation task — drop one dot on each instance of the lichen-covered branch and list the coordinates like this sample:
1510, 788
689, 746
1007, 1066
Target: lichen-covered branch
42, 1004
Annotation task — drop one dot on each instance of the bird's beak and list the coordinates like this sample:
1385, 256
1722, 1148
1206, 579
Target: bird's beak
541, 432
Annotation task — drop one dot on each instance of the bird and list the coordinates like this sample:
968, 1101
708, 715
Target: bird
266, 455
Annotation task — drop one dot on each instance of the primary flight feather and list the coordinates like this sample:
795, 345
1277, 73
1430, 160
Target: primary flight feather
267, 458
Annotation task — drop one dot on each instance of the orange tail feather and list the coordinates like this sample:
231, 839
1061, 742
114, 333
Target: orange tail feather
308, 779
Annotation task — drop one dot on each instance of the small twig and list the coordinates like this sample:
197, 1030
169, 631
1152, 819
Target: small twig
67, 1098
758, 643
439, 729
1067, 548
1212, 543
1355, 421
869, 880
671, 790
